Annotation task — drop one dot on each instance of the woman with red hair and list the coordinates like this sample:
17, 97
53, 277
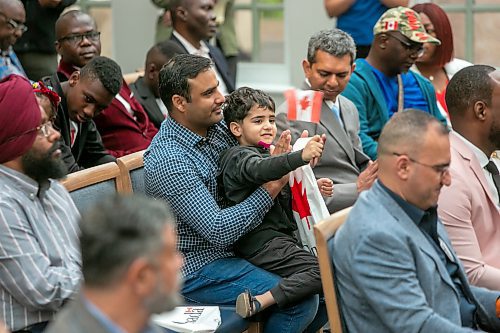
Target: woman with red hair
437, 62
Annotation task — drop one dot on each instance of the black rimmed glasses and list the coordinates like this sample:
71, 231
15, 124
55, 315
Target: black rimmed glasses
14, 25
76, 39
441, 169
412, 48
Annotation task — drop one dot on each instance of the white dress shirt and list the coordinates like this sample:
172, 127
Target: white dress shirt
204, 52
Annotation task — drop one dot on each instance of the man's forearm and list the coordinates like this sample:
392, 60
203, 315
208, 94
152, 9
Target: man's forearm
336, 8
394, 3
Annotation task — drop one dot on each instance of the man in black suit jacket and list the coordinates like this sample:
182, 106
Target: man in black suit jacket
86, 93
146, 89
194, 23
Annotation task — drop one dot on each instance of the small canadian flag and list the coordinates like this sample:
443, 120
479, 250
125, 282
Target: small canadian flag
304, 105
391, 25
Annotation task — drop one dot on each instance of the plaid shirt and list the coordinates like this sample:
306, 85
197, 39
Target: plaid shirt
10, 64
181, 167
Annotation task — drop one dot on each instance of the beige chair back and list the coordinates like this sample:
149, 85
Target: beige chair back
323, 232
132, 172
88, 186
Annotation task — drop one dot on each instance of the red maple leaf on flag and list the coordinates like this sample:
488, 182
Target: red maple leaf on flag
300, 204
304, 103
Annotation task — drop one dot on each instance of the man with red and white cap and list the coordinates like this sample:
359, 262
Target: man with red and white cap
382, 85
40, 266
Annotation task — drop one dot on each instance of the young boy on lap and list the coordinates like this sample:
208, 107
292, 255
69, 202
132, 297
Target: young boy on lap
249, 114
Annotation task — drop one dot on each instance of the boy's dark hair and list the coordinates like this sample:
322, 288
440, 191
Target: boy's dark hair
240, 101
106, 70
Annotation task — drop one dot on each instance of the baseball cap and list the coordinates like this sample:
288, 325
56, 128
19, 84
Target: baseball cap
407, 22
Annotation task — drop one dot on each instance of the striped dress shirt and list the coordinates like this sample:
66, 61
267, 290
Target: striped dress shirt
181, 167
40, 264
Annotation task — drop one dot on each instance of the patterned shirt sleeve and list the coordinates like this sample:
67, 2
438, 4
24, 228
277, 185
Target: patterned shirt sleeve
196, 206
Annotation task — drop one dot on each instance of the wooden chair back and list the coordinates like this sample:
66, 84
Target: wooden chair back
323, 232
132, 172
88, 186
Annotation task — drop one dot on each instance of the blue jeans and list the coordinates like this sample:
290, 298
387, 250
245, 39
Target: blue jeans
221, 281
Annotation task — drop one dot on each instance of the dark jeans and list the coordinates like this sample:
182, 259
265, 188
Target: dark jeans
298, 268
221, 281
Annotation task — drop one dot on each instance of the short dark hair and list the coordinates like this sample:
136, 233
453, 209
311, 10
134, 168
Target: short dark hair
406, 131
442, 28
239, 102
175, 74
106, 71
117, 231
468, 86
169, 48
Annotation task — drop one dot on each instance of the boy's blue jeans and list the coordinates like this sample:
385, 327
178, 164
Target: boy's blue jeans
221, 281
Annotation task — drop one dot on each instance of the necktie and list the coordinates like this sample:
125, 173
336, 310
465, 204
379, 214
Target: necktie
492, 168
72, 136
336, 112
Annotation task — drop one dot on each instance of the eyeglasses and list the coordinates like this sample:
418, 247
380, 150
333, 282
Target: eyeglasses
46, 129
14, 25
441, 169
410, 47
92, 36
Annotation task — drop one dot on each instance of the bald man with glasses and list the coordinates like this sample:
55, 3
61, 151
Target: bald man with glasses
382, 85
35, 48
395, 267
12, 19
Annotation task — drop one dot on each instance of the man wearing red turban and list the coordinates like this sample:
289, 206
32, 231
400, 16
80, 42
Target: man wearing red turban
39, 253
19, 117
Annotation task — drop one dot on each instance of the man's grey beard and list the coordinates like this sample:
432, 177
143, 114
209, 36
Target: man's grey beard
162, 301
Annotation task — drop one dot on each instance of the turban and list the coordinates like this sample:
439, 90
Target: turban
19, 117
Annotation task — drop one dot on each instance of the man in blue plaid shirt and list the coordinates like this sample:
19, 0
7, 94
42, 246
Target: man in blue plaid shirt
181, 167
